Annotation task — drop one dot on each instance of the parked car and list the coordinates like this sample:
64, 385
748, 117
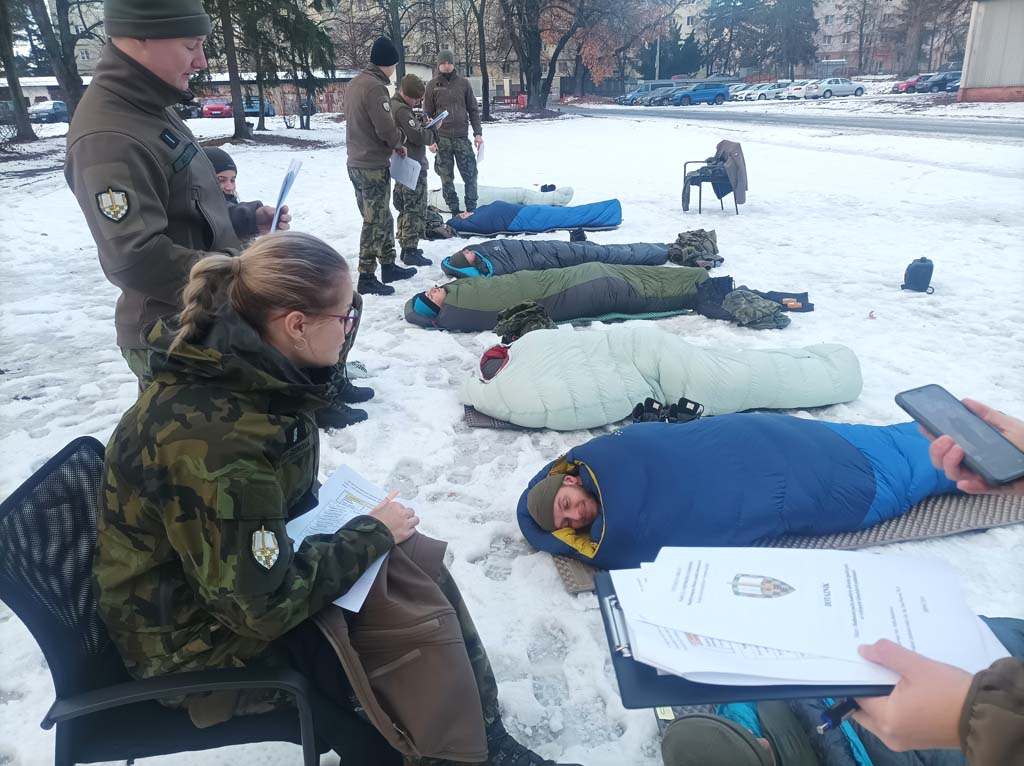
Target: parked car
664, 95
48, 111
648, 98
954, 86
756, 92
833, 86
910, 84
643, 89
937, 82
187, 110
251, 108
217, 107
736, 91
794, 90
702, 93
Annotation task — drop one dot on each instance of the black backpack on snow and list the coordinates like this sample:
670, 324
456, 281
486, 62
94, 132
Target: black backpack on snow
918, 276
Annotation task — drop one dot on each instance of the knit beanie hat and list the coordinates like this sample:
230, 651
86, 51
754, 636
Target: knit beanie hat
540, 501
445, 57
220, 160
412, 86
383, 52
155, 19
708, 740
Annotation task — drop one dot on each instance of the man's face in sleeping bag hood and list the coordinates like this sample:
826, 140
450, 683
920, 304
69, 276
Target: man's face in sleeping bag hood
573, 506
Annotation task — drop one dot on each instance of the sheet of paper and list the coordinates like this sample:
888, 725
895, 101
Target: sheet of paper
405, 170
710, 660
480, 153
286, 186
435, 121
817, 602
342, 497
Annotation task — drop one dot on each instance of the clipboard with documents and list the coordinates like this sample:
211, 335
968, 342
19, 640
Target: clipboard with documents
642, 686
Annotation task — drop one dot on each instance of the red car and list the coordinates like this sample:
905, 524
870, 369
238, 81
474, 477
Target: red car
910, 85
217, 107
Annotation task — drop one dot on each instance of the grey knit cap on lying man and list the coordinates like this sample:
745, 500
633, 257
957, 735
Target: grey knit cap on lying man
155, 19
540, 501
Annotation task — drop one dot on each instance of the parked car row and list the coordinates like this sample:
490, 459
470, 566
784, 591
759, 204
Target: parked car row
221, 107
784, 89
929, 82
48, 111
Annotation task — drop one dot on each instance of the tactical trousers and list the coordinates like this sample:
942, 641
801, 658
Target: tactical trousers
452, 150
412, 211
373, 196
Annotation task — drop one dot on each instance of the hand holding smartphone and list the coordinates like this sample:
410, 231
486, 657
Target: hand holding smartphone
986, 451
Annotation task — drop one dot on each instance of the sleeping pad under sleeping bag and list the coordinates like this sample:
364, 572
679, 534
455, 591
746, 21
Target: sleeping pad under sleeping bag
734, 479
590, 290
508, 218
507, 256
573, 380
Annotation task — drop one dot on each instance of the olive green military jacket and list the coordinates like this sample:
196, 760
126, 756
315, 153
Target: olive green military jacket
193, 566
417, 137
370, 131
148, 192
454, 94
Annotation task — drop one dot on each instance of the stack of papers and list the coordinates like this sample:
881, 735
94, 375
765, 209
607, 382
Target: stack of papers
342, 497
766, 617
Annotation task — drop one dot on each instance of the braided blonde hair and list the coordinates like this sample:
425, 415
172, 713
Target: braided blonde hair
286, 271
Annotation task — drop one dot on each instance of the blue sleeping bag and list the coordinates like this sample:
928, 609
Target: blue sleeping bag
734, 479
508, 218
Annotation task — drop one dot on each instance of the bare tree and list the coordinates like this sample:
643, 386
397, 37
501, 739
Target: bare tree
60, 44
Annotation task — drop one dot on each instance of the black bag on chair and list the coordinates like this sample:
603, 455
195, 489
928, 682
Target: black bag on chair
918, 276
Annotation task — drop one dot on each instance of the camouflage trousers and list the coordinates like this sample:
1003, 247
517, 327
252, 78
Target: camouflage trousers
451, 150
373, 196
412, 211
138, 358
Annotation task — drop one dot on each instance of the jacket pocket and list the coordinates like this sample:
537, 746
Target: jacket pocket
205, 221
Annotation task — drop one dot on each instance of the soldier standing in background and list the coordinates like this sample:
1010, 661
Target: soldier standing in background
412, 203
452, 92
371, 136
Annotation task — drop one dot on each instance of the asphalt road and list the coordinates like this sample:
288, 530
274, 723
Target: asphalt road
951, 126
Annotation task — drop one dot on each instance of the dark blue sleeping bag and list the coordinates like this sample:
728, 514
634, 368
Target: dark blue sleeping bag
507, 256
508, 218
734, 479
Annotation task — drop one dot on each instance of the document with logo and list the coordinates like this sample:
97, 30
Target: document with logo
286, 186
342, 497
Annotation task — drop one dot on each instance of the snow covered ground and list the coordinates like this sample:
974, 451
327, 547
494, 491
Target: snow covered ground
836, 213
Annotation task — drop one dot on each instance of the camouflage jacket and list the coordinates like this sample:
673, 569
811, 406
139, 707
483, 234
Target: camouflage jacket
193, 566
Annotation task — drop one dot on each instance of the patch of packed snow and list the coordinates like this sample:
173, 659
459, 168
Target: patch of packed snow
837, 214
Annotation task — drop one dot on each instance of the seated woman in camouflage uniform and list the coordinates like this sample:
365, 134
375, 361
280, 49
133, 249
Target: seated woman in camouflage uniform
222, 451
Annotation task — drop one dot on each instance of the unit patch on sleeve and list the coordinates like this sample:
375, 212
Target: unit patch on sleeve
265, 548
113, 203
387, 106
184, 158
170, 139
412, 123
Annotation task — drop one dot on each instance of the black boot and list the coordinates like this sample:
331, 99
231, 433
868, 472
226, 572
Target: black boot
370, 285
502, 750
354, 394
392, 272
413, 256
339, 415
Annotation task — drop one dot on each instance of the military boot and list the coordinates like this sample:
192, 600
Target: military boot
392, 272
503, 750
413, 256
339, 415
370, 285
352, 394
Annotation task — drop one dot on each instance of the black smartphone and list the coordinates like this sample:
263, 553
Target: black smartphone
986, 451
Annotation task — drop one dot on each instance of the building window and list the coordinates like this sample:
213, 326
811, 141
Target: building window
846, 39
563, 67
828, 39
829, 19
691, 21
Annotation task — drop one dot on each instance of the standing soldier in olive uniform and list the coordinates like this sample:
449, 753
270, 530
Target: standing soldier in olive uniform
149, 194
412, 203
371, 136
452, 92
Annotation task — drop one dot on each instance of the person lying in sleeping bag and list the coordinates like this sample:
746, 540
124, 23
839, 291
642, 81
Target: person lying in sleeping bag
616, 500
508, 218
587, 291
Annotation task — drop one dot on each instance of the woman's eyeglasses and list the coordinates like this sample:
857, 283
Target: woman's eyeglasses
348, 320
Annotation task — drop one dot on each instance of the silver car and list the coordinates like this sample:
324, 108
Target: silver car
795, 90
833, 86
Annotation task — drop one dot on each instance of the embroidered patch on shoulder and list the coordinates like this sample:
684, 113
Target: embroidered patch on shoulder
412, 123
185, 158
170, 139
265, 548
113, 203
387, 106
